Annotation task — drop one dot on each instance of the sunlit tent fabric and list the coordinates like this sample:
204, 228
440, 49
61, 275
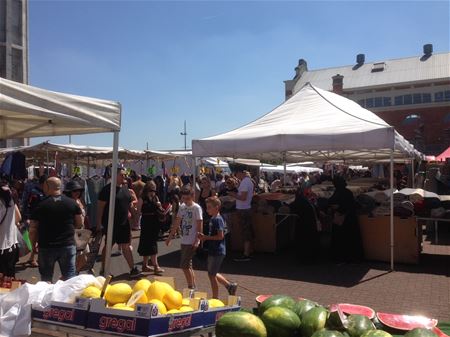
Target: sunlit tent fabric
69, 151
314, 124
27, 111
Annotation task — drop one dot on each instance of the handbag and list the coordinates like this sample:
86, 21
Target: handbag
82, 237
22, 245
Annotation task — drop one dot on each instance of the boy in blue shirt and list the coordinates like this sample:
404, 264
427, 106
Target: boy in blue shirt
216, 248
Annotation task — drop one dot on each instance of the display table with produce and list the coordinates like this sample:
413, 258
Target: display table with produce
283, 316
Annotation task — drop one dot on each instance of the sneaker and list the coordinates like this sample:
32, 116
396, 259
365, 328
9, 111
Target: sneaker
242, 258
134, 273
232, 288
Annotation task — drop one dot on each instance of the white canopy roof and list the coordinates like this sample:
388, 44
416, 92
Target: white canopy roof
73, 151
314, 125
27, 111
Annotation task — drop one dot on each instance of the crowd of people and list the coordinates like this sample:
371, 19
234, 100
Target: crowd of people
197, 211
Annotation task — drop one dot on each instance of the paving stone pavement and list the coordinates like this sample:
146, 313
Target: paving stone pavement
410, 289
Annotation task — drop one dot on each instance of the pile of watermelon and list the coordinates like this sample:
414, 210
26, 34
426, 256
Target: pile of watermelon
282, 316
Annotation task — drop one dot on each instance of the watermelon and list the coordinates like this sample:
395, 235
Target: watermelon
353, 309
240, 324
376, 333
327, 333
313, 320
357, 325
406, 322
261, 298
277, 301
420, 332
280, 322
303, 306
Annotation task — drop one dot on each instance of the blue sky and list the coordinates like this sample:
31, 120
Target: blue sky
216, 64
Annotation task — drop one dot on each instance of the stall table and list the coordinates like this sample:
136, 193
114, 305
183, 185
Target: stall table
40, 329
436, 225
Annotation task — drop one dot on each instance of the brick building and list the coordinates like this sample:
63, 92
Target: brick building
412, 94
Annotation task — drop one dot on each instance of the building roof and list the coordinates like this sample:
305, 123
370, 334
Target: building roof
397, 71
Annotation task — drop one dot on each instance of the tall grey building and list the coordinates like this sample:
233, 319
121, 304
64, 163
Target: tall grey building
14, 47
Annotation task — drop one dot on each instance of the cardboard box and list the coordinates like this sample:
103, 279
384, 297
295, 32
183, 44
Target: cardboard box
60, 313
212, 315
144, 321
375, 234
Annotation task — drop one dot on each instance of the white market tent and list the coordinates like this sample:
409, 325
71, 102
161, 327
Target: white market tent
70, 151
314, 125
27, 111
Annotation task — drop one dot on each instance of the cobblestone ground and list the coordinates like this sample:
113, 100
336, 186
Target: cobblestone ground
410, 289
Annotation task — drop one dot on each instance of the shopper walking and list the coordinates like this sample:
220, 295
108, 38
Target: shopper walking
121, 226
53, 224
9, 218
244, 198
216, 248
149, 208
190, 219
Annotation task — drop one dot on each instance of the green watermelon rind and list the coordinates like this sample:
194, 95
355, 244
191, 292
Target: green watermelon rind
280, 322
420, 332
313, 320
277, 301
240, 324
355, 325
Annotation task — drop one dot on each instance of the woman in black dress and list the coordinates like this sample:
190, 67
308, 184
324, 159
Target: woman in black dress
148, 208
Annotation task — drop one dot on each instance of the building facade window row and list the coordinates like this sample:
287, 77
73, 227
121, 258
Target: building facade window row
408, 99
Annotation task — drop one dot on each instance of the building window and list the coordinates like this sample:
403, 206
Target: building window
386, 101
426, 98
378, 101
361, 102
407, 99
369, 103
398, 100
439, 96
417, 98
447, 95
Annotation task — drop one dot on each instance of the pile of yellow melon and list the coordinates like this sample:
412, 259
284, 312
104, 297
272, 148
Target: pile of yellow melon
122, 296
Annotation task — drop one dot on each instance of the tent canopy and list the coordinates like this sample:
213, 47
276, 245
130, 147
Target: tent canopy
27, 111
314, 125
67, 151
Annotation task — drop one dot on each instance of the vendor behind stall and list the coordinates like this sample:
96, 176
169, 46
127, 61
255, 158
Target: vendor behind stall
346, 242
306, 234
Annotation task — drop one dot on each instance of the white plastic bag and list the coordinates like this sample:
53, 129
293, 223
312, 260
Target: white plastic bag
66, 291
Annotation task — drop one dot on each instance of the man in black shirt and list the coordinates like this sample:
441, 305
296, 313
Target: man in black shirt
53, 224
121, 227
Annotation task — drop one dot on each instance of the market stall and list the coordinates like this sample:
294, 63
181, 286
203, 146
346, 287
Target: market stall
27, 111
314, 125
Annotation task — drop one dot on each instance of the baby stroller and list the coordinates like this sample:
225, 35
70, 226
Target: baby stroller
88, 246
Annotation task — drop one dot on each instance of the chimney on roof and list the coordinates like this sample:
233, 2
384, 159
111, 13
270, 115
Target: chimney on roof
360, 59
428, 49
338, 84
300, 69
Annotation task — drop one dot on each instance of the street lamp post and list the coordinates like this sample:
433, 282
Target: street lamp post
184, 133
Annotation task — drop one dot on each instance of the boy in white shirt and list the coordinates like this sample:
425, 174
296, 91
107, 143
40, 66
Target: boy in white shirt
190, 220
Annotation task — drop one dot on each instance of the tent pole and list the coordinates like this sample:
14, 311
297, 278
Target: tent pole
413, 174
284, 168
112, 203
391, 173
194, 172
48, 168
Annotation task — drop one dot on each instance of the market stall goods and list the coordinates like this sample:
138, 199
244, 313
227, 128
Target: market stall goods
309, 319
240, 324
280, 322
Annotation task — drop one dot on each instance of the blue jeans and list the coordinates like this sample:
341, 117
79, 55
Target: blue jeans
65, 256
